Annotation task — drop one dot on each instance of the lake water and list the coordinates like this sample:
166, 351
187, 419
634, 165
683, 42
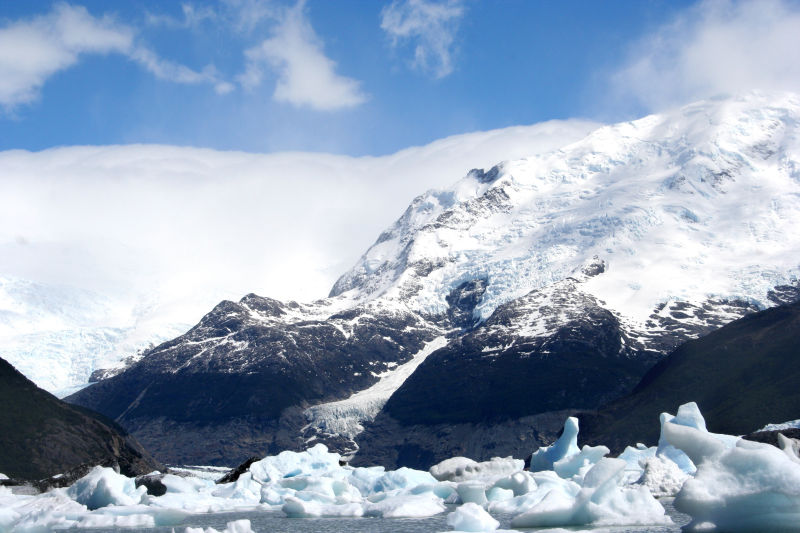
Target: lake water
277, 522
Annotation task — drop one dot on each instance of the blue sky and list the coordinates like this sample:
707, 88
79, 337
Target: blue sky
399, 73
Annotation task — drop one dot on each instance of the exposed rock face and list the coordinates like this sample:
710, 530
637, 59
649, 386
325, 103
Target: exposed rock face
553, 284
232, 386
41, 436
742, 376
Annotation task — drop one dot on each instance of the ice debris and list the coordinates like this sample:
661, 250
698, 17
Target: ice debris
734, 485
748, 487
601, 501
472, 517
237, 526
566, 445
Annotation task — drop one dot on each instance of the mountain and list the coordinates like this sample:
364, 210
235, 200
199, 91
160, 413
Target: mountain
42, 436
523, 292
96, 240
743, 376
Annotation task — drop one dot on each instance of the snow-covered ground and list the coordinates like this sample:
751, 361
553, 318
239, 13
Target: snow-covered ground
723, 483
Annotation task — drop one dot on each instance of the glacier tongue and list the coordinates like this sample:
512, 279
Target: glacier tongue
696, 204
344, 417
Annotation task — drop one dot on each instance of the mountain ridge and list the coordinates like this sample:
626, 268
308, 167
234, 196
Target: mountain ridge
588, 263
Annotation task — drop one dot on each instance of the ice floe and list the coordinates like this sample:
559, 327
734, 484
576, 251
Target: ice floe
721, 481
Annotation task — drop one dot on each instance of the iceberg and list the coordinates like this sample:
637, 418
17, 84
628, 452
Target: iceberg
736, 485
472, 517
748, 487
464, 469
103, 486
601, 501
566, 445
237, 526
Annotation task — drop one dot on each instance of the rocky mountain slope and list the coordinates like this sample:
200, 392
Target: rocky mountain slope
41, 436
743, 376
547, 284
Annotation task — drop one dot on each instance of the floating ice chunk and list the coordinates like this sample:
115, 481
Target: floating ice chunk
566, 445
635, 459
698, 445
752, 486
3, 476
472, 517
133, 516
184, 485
464, 469
688, 416
42, 513
541, 484
519, 483
245, 488
402, 478
497, 494
601, 501
662, 477
789, 447
297, 508
472, 492
237, 526
104, 520
102, 487
572, 465
314, 461
406, 506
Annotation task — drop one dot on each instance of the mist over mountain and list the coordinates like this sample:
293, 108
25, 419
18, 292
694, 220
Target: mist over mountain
107, 249
533, 287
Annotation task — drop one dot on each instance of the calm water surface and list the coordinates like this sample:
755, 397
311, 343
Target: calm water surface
277, 522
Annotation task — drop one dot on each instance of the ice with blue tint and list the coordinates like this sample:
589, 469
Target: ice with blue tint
103, 486
737, 485
750, 486
472, 517
566, 445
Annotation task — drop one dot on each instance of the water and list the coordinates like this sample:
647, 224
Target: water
277, 522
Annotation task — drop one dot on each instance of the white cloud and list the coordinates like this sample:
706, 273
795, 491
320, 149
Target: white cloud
192, 16
431, 25
716, 47
190, 226
306, 77
247, 15
31, 51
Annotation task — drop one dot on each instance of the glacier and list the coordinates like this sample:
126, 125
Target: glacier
660, 201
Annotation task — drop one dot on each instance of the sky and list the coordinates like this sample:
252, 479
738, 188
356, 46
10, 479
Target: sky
357, 77
226, 146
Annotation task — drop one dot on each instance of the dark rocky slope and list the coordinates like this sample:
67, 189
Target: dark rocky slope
743, 376
41, 436
235, 385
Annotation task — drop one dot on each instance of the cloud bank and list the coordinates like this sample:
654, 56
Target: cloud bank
716, 47
193, 226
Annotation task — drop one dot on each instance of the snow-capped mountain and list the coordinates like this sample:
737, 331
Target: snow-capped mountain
697, 204
547, 284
